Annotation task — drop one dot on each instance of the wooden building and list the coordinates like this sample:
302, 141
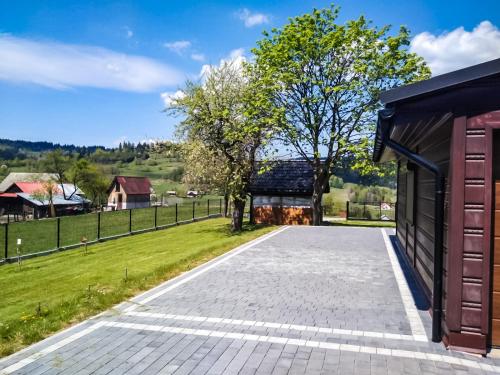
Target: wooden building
283, 194
445, 134
129, 192
29, 199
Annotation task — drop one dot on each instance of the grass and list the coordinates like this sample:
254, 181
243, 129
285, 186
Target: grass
362, 223
334, 202
41, 235
50, 293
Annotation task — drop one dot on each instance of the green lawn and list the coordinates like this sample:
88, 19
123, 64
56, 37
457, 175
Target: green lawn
52, 292
362, 223
41, 235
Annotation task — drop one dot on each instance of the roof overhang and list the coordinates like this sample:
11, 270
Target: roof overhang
466, 92
441, 82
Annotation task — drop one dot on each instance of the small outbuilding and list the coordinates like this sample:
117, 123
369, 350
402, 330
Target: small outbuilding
127, 192
444, 133
282, 194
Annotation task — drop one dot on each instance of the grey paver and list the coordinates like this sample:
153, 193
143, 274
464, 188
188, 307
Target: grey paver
316, 277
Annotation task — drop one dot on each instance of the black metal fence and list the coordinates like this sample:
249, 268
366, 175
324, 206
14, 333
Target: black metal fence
374, 211
39, 237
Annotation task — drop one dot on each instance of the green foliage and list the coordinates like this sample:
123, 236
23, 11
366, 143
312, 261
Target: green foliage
205, 168
358, 193
175, 174
336, 182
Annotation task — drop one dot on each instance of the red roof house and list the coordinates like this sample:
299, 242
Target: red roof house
129, 192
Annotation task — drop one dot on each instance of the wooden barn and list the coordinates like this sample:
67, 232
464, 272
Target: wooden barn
445, 134
127, 192
283, 194
28, 199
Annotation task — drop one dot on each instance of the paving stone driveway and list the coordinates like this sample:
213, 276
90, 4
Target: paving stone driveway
328, 300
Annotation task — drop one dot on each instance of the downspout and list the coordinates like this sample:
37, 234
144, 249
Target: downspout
439, 190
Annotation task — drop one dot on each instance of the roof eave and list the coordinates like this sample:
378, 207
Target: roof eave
441, 82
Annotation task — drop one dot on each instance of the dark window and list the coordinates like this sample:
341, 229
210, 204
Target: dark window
117, 187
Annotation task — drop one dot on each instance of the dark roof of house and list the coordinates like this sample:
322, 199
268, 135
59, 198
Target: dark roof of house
284, 177
441, 82
133, 185
474, 89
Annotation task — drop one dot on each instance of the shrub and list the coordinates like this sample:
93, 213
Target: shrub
336, 182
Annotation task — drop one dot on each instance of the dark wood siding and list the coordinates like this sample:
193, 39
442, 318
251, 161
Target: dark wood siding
401, 208
418, 239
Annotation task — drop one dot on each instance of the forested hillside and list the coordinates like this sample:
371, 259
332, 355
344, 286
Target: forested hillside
160, 161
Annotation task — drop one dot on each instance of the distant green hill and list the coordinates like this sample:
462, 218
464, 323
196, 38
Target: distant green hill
161, 161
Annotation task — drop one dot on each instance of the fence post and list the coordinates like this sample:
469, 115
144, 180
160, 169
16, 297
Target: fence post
98, 226
347, 210
208, 207
156, 217
176, 211
380, 211
364, 210
58, 242
6, 240
193, 209
130, 220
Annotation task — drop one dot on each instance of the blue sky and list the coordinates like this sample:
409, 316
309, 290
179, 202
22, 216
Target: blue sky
93, 72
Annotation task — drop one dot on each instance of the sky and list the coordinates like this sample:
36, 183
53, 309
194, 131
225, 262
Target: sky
101, 72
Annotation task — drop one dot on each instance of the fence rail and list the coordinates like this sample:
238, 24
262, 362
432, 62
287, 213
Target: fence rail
372, 211
44, 236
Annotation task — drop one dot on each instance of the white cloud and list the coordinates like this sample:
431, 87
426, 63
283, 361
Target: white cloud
169, 97
63, 66
458, 48
198, 56
236, 57
178, 46
252, 19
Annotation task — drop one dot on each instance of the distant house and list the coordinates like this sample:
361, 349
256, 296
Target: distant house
129, 192
29, 199
192, 193
283, 194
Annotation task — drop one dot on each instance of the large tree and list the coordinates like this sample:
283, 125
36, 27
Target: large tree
58, 163
217, 113
324, 78
90, 178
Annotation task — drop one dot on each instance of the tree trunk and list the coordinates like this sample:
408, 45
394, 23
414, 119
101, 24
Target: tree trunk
52, 210
237, 219
318, 189
252, 216
226, 204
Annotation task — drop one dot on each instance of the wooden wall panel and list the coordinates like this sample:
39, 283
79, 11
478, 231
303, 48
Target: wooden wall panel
472, 230
418, 240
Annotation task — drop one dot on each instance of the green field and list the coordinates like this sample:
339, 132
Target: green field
362, 223
50, 293
334, 202
41, 235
